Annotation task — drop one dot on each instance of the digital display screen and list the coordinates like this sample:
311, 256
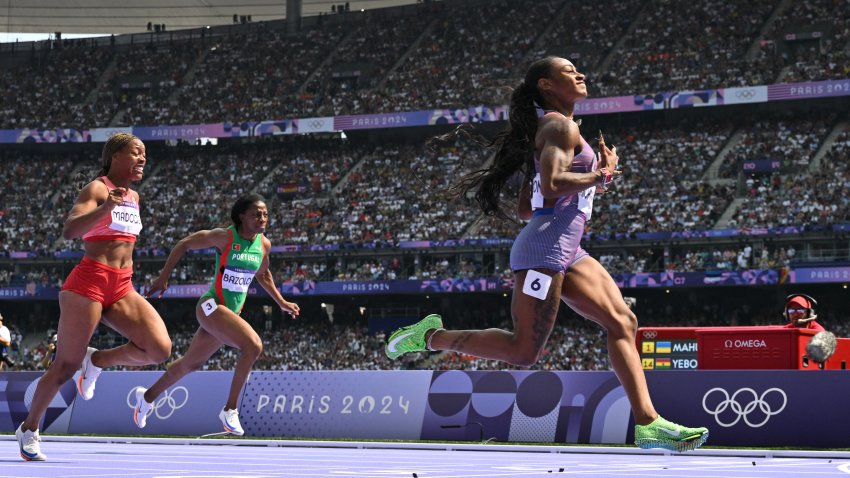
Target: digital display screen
668, 354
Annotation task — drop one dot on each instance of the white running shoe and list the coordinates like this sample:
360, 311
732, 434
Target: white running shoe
143, 408
28, 443
88, 376
230, 419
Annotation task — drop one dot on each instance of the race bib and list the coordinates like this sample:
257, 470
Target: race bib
536, 284
208, 306
585, 201
125, 218
536, 194
236, 280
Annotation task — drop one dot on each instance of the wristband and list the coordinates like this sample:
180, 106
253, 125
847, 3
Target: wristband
605, 178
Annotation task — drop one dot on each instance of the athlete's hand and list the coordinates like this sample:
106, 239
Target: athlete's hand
610, 159
116, 196
291, 308
160, 284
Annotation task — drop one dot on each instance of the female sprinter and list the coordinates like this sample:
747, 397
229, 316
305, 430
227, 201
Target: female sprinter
106, 216
561, 178
242, 253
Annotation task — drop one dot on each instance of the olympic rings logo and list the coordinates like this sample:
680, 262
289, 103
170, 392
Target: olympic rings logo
745, 94
165, 406
650, 334
743, 408
317, 123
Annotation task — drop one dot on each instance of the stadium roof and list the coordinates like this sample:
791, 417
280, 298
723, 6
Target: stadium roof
107, 16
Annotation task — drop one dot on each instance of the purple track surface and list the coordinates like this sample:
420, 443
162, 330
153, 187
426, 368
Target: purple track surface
92, 460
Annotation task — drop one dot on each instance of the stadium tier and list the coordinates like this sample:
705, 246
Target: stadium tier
726, 180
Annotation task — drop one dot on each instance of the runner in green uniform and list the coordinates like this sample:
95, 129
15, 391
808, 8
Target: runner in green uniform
242, 254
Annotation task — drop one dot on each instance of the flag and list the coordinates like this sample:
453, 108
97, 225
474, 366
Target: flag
287, 190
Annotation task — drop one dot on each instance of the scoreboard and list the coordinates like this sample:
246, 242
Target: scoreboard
732, 348
667, 348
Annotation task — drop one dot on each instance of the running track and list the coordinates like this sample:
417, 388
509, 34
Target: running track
182, 458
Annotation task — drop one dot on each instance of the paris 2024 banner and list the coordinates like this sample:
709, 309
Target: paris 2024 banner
740, 408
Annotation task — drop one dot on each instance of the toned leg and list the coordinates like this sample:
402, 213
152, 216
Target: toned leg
137, 320
230, 329
589, 290
533, 322
200, 350
78, 319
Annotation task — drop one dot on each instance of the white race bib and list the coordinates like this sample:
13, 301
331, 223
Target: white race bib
536, 284
125, 218
585, 201
208, 306
236, 280
536, 194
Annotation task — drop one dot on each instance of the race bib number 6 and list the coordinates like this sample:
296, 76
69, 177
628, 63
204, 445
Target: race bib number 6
536, 285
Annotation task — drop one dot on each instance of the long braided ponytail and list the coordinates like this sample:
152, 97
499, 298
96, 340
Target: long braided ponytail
514, 146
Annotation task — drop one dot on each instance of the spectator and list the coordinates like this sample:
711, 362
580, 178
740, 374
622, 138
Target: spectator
50, 353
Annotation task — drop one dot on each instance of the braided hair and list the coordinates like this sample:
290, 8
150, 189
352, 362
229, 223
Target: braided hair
115, 143
514, 146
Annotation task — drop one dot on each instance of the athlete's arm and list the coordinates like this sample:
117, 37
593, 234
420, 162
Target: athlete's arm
560, 137
205, 239
94, 202
264, 278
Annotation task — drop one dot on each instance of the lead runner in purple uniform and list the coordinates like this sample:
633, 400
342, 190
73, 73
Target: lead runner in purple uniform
561, 179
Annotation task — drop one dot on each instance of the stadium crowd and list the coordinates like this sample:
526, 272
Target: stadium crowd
383, 61
740, 255
819, 199
314, 343
351, 193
